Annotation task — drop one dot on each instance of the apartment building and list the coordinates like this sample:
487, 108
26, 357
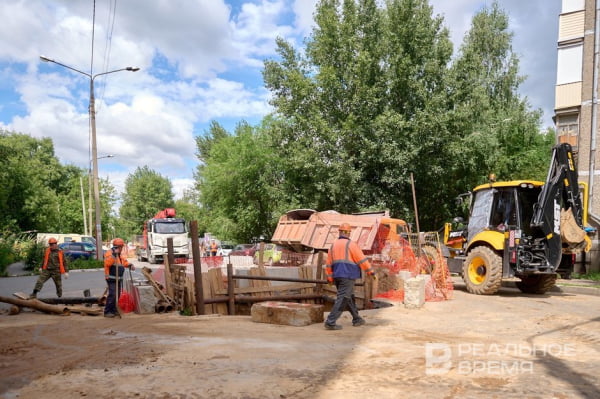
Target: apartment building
576, 112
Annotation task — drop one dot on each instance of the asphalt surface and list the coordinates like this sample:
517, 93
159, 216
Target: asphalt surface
20, 280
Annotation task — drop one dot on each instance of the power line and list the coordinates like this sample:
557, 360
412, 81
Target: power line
108, 44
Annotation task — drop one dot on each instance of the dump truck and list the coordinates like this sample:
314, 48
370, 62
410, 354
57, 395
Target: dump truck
305, 230
157, 231
526, 229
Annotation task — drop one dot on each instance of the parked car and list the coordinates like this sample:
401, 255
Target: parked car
225, 250
78, 250
244, 250
271, 254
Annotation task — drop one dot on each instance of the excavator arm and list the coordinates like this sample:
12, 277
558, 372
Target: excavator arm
560, 194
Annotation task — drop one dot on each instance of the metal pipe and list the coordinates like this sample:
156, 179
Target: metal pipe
288, 279
594, 111
230, 290
70, 301
250, 299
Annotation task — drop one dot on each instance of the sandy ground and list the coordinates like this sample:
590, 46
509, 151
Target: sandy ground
504, 346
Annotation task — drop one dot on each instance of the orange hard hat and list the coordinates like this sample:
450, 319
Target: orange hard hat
52, 240
345, 227
118, 242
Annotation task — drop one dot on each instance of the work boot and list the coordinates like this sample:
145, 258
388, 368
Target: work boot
33, 294
332, 327
359, 322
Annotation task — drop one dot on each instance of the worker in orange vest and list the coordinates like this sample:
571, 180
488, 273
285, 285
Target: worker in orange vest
115, 262
53, 266
344, 263
213, 248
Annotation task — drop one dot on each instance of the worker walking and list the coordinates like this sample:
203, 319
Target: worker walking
213, 248
115, 263
344, 263
53, 266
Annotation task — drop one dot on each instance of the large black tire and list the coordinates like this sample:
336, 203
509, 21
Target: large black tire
536, 283
482, 271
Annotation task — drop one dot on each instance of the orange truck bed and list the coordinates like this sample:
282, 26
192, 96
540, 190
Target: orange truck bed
303, 229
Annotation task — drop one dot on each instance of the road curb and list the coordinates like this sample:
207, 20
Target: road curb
563, 288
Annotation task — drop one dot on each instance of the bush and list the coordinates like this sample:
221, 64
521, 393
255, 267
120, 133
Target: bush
6, 255
11, 249
85, 264
34, 255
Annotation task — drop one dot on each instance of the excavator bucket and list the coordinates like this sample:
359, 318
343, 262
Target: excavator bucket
570, 231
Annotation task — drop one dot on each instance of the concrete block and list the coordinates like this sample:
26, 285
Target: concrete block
287, 313
404, 275
414, 293
148, 300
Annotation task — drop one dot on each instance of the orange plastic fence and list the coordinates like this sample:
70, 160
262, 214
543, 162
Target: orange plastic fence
399, 257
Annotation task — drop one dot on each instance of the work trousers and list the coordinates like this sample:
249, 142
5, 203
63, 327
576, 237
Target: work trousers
111, 298
344, 299
45, 275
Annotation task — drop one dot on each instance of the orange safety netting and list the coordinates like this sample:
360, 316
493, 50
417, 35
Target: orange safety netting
126, 302
212, 261
398, 256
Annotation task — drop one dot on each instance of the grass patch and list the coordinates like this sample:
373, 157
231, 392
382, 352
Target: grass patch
79, 264
594, 276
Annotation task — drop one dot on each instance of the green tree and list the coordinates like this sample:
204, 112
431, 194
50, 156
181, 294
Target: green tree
499, 132
146, 192
353, 112
239, 185
188, 208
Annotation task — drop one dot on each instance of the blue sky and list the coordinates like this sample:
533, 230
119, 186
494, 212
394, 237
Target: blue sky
200, 60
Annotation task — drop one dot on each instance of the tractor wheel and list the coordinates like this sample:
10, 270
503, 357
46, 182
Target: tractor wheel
482, 271
151, 259
536, 283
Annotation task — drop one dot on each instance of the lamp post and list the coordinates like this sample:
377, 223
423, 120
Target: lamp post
92, 111
90, 191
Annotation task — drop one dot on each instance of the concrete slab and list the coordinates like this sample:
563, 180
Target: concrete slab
287, 313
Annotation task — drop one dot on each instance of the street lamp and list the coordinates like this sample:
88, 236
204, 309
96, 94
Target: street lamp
92, 111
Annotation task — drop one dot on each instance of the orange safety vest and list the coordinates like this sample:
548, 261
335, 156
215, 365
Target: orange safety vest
110, 260
61, 260
345, 260
214, 247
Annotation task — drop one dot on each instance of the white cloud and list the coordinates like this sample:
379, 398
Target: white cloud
200, 61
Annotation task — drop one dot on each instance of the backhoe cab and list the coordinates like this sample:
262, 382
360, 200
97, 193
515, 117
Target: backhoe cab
524, 228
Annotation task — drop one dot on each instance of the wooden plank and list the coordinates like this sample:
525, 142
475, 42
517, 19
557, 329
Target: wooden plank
21, 295
208, 308
217, 284
276, 288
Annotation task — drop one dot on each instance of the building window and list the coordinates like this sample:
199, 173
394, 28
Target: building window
572, 5
567, 129
569, 68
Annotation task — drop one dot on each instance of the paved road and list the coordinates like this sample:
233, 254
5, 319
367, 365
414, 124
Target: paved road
78, 281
